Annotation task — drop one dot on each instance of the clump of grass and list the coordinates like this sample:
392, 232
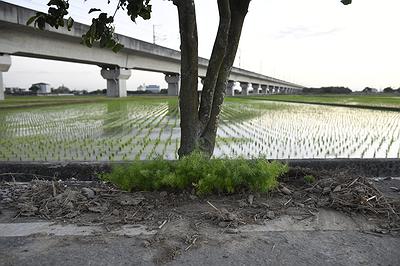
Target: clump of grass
309, 179
199, 173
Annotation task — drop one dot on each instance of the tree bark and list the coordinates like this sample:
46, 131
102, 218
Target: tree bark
239, 9
215, 63
188, 96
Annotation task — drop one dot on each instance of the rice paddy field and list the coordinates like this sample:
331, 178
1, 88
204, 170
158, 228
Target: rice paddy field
372, 100
148, 127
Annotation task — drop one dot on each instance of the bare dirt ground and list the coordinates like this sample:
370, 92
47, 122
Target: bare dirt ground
297, 223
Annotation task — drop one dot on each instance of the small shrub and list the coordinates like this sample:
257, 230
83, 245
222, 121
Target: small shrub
309, 179
196, 171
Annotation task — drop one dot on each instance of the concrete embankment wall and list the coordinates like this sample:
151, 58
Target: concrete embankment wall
87, 171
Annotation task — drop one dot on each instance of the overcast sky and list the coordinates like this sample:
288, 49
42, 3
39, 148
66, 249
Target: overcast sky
309, 42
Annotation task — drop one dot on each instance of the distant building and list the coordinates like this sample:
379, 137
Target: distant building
14, 90
44, 88
370, 90
141, 88
153, 88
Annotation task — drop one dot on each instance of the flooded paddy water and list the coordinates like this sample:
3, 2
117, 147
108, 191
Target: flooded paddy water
145, 129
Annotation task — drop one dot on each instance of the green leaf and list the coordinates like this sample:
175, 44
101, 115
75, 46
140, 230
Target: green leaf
103, 42
41, 23
92, 30
346, 2
117, 47
145, 14
30, 20
93, 10
54, 2
70, 23
110, 42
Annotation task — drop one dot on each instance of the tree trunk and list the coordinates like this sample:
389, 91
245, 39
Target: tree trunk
199, 125
188, 96
239, 10
215, 63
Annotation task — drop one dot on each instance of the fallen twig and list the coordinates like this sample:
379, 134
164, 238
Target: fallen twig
287, 202
54, 189
191, 244
161, 226
371, 198
215, 208
352, 183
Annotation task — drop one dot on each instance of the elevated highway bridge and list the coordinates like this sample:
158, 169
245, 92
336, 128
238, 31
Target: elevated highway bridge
16, 38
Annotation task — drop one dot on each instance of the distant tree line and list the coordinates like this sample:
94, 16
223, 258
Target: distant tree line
391, 90
333, 90
162, 91
345, 90
385, 90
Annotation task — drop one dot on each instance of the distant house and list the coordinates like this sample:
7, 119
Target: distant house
370, 90
44, 88
153, 88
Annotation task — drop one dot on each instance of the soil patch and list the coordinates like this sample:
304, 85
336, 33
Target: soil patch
87, 203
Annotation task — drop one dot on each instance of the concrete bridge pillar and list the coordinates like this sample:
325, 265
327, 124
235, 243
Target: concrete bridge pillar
256, 87
5, 63
264, 89
230, 91
270, 89
245, 88
173, 84
116, 81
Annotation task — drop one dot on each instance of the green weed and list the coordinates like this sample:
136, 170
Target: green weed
309, 179
196, 171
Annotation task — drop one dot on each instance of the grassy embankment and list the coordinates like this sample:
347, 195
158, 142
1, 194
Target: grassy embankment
389, 102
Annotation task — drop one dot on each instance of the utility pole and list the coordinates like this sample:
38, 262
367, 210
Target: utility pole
160, 37
154, 34
240, 58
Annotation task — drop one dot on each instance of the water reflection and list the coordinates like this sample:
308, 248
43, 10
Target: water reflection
116, 112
